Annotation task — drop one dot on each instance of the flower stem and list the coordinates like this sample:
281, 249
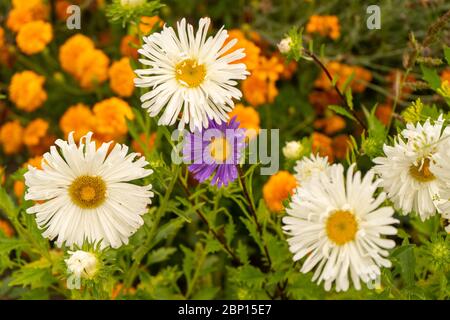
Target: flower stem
336, 88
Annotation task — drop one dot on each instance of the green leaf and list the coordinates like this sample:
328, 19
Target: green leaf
8, 245
251, 276
447, 54
36, 275
160, 255
242, 252
206, 293
342, 111
6, 204
431, 77
407, 262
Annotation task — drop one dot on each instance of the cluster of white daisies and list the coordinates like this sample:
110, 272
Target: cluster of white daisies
338, 221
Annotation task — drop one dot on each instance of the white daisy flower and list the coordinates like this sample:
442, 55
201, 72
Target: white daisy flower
84, 193
190, 73
408, 170
338, 224
82, 264
307, 168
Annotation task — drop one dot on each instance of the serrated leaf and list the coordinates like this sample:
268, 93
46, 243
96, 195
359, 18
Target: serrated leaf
160, 255
342, 111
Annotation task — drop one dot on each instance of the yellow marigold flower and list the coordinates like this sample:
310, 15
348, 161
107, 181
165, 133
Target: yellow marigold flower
26, 90
277, 189
326, 26
70, 51
35, 131
121, 77
342, 72
252, 51
111, 115
34, 37
18, 18
257, 91
92, 68
78, 118
149, 142
126, 46
148, 23
6, 228
248, 119
11, 137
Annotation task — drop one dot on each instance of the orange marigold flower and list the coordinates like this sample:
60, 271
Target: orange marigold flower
330, 124
34, 37
6, 228
121, 77
34, 162
321, 144
148, 23
26, 90
340, 146
111, 115
78, 118
248, 119
2, 175
70, 51
2, 37
19, 189
44, 145
35, 131
18, 18
25, 11
326, 26
277, 189
269, 69
126, 46
149, 142
342, 72
92, 68
257, 91
61, 9
383, 113
445, 75
320, 100
252, 51
11, 137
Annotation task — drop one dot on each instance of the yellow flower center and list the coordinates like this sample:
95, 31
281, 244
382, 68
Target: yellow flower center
88, 192
341, 227
189, 73
422, 171
220, 149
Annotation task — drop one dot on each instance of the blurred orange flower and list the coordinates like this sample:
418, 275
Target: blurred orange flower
257, 91
34, 36
78, 118
445, 75
6, 228
11, 137
331, 124
61, 9
121, 77
19, 185
26, 90
277, 189
149, 142
383, 113
251, 50
2, 37
340, 146
91, 68
148, 23
321, 144
269, 69
326, 26
248, 118
25, 11
111, 115
71, 50
34, 132
320, 100
126, 46
342, 72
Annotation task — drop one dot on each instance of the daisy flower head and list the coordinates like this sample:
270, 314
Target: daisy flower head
338, 225
190, 73
82, 264
409, 172
310, 167
84, 193
215, 152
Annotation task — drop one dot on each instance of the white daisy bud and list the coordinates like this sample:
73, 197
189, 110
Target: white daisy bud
292, 150
310, 167
285, 45
82, 264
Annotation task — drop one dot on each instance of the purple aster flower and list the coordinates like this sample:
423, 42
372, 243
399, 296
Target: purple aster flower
215, 152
